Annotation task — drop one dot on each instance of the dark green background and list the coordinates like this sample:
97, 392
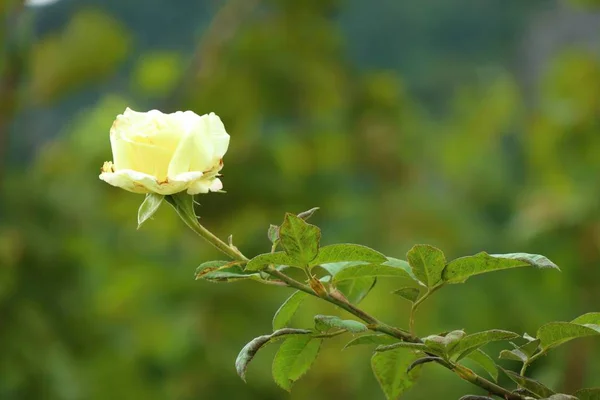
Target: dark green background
467, 124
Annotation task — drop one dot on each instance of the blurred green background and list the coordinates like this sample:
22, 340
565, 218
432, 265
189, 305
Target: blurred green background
467, 124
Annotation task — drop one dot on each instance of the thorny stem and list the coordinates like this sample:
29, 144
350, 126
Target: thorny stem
373, 323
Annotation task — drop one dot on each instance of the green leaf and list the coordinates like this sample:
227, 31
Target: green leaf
530, 348
390, 370
307, 214
148, 207
371, 339
299, 239
273, 233
408, 293
459, 270
589, 318
347, 252
355, 290
370, 271
294, 358
484, 361
532, 386
557, 333
334, 268
442, 345
436, 344
224, 271
403, 345
262, 261
230, 274
325, 322
513, 355
209, 266
396, 262
561, 396
588, 394
427, 263
287, 310
475, 340
249, 351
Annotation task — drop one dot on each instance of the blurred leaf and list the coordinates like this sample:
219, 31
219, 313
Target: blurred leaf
427, 263
148, 207
89, 49
157, 73
261, 261
249, 351
370, 339
484, 361
347, 252
532, 386
476, 340
459, 270
390, 368
561, 396
409, 293
324, 322
287, 310
293, 359
588, 394
356, 290
299, 239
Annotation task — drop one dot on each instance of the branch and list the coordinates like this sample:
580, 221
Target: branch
373, 323
379, 326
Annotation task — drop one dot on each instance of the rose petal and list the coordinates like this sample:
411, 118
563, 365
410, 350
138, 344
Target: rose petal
194, 152
133, 181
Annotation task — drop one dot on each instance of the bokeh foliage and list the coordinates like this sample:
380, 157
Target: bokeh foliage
92, 308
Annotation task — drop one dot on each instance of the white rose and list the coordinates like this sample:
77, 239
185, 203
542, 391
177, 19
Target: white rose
166, 153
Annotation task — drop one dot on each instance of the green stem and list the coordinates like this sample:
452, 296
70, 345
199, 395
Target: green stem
530, 361
192, 222
524, 368
373, 323
416, 304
